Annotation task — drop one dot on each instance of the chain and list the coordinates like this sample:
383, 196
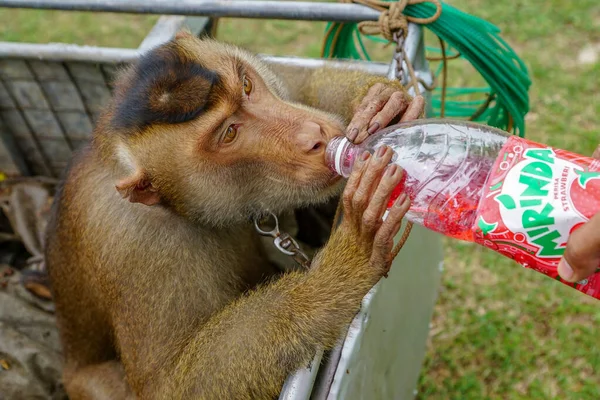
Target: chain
284, 242
398, 73
398, 60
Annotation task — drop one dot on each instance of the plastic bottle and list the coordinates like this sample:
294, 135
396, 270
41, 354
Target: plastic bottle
479, 184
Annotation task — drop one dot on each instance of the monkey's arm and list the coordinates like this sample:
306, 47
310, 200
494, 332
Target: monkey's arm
338, 91
246, 350
366, 102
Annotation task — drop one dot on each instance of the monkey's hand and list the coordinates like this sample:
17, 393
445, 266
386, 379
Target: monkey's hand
383, 103
365, 240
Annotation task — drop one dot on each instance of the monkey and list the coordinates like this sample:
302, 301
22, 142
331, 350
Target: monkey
161, 287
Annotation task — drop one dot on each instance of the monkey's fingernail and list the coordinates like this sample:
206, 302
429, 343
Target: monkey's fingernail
353, 134
391, 170
373, 128
364, 156
400, 200
381, 151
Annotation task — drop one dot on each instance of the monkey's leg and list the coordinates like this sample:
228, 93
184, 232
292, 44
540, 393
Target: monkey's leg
105, 381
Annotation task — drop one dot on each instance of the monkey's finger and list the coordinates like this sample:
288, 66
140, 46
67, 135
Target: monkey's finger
390, 227
369, 180
354, 180
397, 103
414, 110
384, 239
359, 128
373, 92
378, 204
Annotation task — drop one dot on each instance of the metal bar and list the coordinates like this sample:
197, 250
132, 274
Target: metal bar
326, 373
77, 86
66, 52
105, 55
299, 385
374, 68
8, 141
167, 27
46, 165
294, 10
54, 112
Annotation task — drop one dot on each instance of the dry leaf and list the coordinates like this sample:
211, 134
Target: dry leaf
39, 290
4, 364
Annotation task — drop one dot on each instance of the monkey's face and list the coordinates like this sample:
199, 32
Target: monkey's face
211, 134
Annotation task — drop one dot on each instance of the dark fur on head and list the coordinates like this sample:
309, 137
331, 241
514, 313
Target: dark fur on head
165, 87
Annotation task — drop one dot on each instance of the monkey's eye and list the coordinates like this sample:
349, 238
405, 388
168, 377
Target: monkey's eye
247, 86
230, 134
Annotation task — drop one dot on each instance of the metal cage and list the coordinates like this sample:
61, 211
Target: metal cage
50, 95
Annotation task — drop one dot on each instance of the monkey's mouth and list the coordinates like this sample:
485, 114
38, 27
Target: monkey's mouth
322, 182
332, 184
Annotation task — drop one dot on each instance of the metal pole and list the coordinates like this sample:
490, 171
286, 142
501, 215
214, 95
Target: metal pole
294, 10
70, 52
108, 55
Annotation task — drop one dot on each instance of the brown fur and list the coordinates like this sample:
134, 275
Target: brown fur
176, 299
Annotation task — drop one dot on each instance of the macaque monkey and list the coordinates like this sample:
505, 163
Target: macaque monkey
161, 286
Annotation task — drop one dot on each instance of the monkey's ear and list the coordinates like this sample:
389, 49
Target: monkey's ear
138, 189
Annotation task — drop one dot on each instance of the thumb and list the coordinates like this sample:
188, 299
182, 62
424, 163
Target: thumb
596, 154
582, 254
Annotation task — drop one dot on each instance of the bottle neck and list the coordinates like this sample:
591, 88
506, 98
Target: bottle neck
337, 156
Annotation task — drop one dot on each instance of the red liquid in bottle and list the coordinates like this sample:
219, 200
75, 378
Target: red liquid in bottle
451, 215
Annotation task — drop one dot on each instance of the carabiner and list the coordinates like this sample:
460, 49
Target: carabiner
273, 233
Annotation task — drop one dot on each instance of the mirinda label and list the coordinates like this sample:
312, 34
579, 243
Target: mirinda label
535, 197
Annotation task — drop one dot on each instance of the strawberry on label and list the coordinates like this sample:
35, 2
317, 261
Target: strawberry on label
585, 193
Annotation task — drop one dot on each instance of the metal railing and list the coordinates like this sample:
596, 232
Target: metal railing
294, 10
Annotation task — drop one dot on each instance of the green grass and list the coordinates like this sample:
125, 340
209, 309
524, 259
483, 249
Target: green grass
97, 29
499, 331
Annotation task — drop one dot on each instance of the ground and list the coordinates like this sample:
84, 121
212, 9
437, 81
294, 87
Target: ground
499, 331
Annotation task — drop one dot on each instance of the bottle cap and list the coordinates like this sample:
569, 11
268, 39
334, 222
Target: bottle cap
338, 154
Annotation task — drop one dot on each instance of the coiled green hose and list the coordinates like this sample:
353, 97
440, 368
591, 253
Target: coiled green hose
478, 42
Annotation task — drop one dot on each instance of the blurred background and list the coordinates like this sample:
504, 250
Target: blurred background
499, 330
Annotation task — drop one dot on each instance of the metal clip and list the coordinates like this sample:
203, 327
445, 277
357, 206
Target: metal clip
284, 242
274, 232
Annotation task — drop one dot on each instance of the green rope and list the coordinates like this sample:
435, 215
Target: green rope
478, 42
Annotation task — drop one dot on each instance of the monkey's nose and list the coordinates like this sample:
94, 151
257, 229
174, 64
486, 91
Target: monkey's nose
310, 138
